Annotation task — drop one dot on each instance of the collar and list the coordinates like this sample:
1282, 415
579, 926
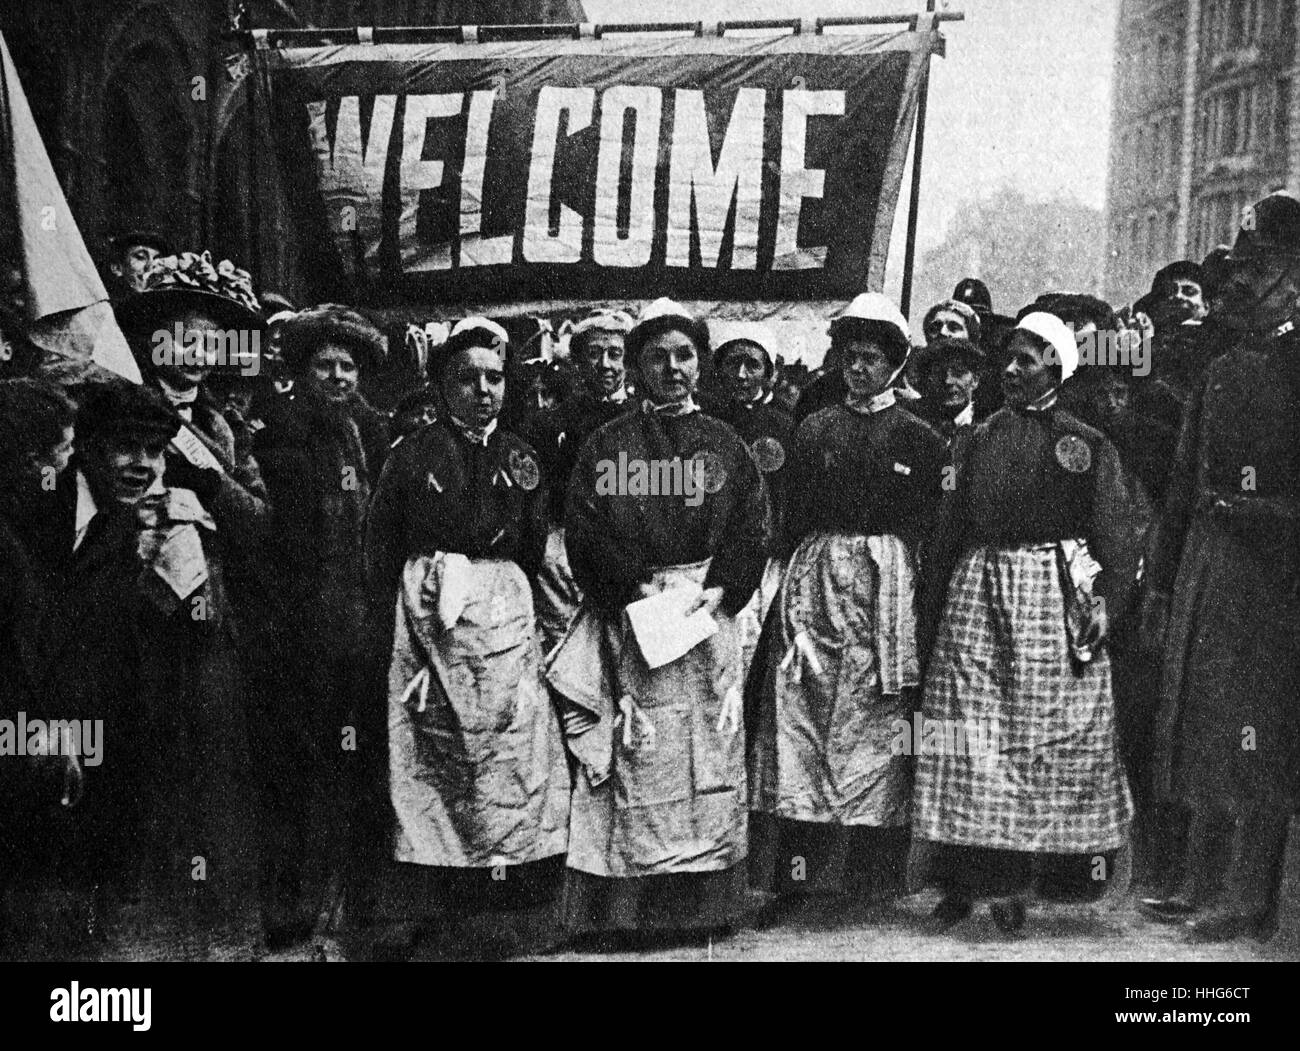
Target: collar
176, 397
182, 401
617, 398
1044, 403
876, 403
86, 510
672, 408
966, 417
473, 435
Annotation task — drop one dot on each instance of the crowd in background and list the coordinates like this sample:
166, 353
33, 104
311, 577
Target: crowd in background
397, 675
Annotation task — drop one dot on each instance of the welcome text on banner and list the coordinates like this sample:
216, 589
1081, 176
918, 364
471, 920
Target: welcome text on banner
726, 170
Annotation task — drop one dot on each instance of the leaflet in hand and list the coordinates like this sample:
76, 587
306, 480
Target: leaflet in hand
663, 630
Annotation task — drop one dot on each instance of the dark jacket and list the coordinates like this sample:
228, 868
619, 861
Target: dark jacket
440, 492
616, 540
557, 436
1038, 477
870, 475
319, 463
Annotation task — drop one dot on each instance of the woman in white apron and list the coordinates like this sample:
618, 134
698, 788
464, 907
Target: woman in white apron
864, 482
477, 775
667, 505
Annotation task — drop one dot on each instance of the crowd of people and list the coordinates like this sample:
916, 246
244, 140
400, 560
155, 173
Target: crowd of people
655, 638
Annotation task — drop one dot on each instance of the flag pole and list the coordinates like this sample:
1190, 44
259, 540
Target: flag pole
913, 207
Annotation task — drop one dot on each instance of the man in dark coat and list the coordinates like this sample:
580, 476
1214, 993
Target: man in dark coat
1223, 579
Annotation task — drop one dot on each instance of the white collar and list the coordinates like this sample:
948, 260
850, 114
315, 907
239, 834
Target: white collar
176, 397
874, 404
672, 408
1044, 402
617, 398
474, 435
86, 510
966, 417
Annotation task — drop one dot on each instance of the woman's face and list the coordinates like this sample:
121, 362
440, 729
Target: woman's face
1030, 373
188, 365
332, 373
474, 385
866, 366
670, 366
600, 363
744, 368
946, 324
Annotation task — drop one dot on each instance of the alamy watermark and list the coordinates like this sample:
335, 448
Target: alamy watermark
40, 737
224, 348
1126, 348
973, 738
686, 477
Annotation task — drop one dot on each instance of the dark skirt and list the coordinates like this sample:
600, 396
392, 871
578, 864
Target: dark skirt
422, 893
987, 872
437, 912
800, 858
679, 901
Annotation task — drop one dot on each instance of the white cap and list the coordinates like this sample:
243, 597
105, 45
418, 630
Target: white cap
663, 307
487, 324
1058, 336
745, 331
872, 306
604, 321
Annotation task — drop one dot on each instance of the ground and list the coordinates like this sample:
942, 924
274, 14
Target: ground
826, 927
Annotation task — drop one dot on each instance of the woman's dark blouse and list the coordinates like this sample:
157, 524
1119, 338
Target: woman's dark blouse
867, 474
615, 542
440, 492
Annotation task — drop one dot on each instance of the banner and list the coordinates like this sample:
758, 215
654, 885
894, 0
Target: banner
745, 175
65, 302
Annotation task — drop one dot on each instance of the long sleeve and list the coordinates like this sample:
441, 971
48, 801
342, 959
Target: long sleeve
1117, 530
386, 532
746, 538
604, 567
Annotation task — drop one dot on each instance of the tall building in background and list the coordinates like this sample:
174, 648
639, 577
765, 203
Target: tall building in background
1204, 122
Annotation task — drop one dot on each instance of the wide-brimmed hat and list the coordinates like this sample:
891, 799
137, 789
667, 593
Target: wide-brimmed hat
304, 332
193, 281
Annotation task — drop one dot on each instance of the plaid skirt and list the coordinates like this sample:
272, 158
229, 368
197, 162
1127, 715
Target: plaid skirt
1046, 777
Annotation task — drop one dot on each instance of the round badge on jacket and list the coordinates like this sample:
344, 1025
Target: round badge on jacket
715, 472
769, 453
1073, 453
524, 470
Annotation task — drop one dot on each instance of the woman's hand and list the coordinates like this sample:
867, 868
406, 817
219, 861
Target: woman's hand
709, 599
